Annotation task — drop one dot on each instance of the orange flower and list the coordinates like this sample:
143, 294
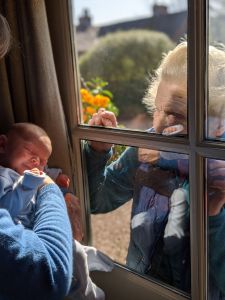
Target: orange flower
86, 96
91, 103
83, 92
90, 110
95, 101
101, 101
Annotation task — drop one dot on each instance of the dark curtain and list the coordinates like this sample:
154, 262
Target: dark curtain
37, 76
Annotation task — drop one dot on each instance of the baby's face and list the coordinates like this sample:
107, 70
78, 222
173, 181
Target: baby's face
171, 106
24, 155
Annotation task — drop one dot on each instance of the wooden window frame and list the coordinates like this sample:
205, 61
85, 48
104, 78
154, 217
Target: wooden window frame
196, 146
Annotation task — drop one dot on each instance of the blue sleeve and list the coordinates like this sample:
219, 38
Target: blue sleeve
110, 186
37, 264
217, 250
16, 196
9, 197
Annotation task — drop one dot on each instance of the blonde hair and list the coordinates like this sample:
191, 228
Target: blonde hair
5, 36
174, 67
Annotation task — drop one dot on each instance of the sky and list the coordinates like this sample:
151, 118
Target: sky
106, 12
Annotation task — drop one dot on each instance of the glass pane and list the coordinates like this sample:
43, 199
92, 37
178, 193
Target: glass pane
215, 125
120, 45
140, 205
216, 228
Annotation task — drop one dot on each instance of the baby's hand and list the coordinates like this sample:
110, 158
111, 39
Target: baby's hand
33, 179
102, 118
36, 171
62, 181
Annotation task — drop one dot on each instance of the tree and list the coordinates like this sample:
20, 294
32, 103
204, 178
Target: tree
126, 60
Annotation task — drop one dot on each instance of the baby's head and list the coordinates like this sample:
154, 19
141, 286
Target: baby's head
24, 147
167, 92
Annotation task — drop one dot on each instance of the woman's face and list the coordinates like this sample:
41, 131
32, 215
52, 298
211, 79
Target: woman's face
171, 106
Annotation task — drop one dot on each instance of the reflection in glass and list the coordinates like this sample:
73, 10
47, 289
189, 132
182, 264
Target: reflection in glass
155, 227
216, 21
119, 51
215, 128
216, 228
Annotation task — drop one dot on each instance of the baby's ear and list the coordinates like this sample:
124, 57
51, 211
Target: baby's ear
3, 142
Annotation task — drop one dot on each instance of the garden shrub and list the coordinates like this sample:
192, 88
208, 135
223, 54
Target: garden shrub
126, 60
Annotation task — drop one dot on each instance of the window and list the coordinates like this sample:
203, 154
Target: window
192, 143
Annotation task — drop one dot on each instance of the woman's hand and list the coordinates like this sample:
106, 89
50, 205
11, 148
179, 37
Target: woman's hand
102, 118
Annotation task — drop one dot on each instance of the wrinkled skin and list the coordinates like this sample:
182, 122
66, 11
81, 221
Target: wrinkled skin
171, 110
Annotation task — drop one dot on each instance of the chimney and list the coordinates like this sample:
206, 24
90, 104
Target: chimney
85, 21
159, 10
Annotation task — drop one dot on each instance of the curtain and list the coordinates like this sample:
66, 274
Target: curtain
37, 76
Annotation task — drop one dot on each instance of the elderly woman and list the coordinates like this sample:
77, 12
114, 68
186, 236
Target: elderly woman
158, 181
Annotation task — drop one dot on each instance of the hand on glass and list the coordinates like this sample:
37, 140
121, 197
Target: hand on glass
106, 119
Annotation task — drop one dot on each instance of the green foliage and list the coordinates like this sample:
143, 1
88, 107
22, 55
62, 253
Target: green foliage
117, 151
97, 86
126, 60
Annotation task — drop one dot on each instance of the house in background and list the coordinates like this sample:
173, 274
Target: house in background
172, 24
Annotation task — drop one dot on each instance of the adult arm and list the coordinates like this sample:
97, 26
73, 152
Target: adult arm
110, 186
37, 264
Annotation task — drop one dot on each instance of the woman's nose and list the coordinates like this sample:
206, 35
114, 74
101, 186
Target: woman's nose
159, 121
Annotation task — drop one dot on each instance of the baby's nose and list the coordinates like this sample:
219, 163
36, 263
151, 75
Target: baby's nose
35, 161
